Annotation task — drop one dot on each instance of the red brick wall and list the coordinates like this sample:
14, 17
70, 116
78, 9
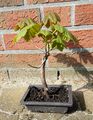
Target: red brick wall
77, 16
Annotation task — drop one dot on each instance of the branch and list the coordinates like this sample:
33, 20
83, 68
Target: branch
44, 58
48, 50
37, 67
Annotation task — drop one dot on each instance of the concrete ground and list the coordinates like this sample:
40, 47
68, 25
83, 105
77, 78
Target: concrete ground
12, 90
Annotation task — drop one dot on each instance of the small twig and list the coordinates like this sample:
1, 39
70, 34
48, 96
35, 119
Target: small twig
37, 67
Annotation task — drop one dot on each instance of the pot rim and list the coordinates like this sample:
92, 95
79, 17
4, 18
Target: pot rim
35, 103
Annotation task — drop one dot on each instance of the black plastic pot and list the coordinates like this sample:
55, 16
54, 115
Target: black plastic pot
57, 107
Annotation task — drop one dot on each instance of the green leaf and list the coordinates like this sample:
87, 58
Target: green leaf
28, 35
29, 21
28, 32
65, 34
57, 17
56, 36
72, 38
45, 34
58, 39
58, 28
35, 28
54, 44
16, 28
60, 47
57, 46
51, 18
21, 34
68, 35
48, 23
25, 22
58, 43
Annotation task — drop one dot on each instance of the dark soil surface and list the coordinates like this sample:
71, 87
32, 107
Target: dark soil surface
56, 94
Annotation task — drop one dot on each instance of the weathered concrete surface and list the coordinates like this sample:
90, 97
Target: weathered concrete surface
13, 84
3, 77
10, 99
77, 78
4, 116
78, 116
11, 109
88, 98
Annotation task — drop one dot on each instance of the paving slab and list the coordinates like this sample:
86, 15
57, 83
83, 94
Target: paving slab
10, 99
87, 98
79, 115
11, 109
4, 116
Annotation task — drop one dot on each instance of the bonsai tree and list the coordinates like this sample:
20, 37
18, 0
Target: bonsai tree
54, 36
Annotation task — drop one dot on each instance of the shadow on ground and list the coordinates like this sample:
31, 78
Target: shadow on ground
79, 63
78, 102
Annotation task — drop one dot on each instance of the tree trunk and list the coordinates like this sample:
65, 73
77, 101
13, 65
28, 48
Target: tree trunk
43, 76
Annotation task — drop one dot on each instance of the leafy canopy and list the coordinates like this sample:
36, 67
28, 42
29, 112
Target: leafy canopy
54, 35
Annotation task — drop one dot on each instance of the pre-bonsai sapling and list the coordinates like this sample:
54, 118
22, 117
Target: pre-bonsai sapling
54, 36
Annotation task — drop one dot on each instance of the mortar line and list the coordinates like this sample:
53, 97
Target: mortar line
82, 27
31, 6
48, 69
77, 50
2, 41
73, 15
25, 2
42, 12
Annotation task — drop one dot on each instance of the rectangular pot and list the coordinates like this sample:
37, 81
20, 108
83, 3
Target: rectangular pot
57, 107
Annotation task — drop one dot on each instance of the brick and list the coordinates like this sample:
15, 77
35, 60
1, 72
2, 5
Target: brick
9, 19
34, 59
71, 60
7, 3
63, 12
5, 58
84, 14
84, 37
20, 60
22, 44
47, 1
